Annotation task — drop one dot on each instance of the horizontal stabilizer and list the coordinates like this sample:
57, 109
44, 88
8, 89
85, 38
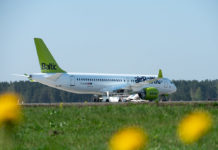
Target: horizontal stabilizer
25, 75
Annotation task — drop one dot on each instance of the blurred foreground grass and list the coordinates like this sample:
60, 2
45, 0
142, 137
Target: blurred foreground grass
91, 127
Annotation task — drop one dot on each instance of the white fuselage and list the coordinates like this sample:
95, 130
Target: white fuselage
94, 83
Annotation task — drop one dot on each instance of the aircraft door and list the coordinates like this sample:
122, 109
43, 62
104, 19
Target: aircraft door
72, 81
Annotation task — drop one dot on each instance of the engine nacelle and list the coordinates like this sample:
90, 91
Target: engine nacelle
150, 93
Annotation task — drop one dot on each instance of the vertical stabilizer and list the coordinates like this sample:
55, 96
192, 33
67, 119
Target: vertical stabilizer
46, 60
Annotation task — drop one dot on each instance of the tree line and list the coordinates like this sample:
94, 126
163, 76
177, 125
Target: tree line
196, 90
33, 92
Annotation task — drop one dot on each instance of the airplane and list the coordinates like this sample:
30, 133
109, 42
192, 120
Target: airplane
146, 87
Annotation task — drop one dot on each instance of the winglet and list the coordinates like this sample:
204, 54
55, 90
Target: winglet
160, 75
46, 60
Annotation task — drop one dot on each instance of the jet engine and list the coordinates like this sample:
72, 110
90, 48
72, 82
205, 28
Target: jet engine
150, 93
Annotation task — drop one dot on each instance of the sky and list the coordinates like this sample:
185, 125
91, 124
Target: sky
117, 36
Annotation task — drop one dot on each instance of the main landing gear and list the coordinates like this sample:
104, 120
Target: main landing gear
163, 98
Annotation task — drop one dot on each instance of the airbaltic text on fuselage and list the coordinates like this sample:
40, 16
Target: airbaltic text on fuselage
49, 66
143, 78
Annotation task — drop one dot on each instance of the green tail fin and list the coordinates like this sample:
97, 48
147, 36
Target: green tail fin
46, 60
160, 75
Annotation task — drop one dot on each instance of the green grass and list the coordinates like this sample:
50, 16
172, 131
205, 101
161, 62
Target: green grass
90, 127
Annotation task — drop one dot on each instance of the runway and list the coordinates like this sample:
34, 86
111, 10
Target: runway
165, 103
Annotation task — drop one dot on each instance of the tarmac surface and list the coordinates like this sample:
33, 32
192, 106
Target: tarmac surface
164, 103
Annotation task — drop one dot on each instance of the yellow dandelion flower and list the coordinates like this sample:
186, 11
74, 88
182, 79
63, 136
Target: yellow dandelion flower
61, 105
131, 138
193, 126
9, 109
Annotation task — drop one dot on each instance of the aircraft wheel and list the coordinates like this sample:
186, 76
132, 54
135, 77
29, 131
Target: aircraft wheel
163, 98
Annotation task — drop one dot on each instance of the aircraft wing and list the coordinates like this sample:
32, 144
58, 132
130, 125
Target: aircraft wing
114, 88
